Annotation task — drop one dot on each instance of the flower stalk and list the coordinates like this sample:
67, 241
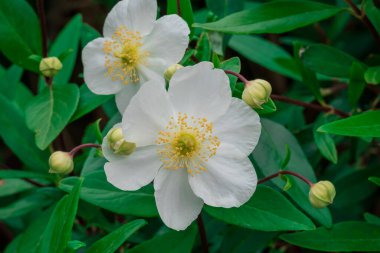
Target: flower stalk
202, 233
86, 145
286, 172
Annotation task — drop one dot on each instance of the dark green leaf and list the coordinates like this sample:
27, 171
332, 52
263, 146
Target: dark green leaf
19, 138
373, 13
88, 101
375, 180
20, 34
88, 33
372, 75
10, 80
324, 142
372, 219
268, 107
75, 244
170, 242
345, 236
58, 230
13, 186
357, 84
268, 157
327, 60
366, 124
185, 11
111, 242
224, 8
49, 112
96, 190
266, 54
273, 17
24, 174
267, 210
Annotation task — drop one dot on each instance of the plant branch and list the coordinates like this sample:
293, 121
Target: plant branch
363, 17
315, 107
179, 8
86, 145
241, 77
286, 172
202, 233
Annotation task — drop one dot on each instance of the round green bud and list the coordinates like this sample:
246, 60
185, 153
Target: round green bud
256, 93
118, 144
169, 72
50, 66
322, 194
61, 163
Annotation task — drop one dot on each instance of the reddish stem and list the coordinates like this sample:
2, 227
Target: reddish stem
202, 233
179, 8
286, 172
241, 77
86, 145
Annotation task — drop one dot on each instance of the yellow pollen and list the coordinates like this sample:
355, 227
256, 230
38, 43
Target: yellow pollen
123, 55
187, 143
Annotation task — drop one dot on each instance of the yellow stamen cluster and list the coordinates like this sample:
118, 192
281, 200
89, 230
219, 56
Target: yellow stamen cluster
187, 143
123, 55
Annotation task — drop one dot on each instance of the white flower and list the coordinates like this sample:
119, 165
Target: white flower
193, 141
136, 48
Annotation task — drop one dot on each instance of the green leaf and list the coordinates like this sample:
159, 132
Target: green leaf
170, 242
267, 210
372, 75
327, 60
366, 124
268, 107
232, 64
224, 8
97, 191
203, 48
50, 111
24, 174
373, 13
20, 34
342, 237
10, 80
309, 78
13, 186
273, 17
19, 138
88, 101
75, 244
324, 142
357, 84
266, 54
268, 156
67, 39
375, 180
186, 11
114, 240
88, 33
58, 230
372, 219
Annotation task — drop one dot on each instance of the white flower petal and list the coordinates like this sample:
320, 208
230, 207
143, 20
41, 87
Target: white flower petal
230, 179
148, 113
125, 95
239, 126
153, 69
94, 71
135, 15
168, 40
176, 203
200, 91
134, 171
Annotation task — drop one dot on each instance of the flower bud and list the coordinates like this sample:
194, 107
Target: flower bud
117, 143
61, 163
322, 194
169, 72
50, 66
256, 93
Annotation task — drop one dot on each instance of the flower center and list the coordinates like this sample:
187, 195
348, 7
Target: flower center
187, 143
123, 55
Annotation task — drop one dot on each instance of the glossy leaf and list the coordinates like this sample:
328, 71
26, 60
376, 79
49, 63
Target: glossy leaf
342, 237
324, 142
372, 75
366, 124
357, 83
19, 138
58, 230
97, 191
50, 111
20, 34
111, 242
273, 17
170, 242
328, 60
267, 210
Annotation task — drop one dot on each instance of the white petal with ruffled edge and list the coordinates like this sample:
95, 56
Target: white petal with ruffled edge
95, 72
239, 126
148, 112
134, 171
168, 40
135, 15
176, 203
123, 98
230, 179
200, 91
